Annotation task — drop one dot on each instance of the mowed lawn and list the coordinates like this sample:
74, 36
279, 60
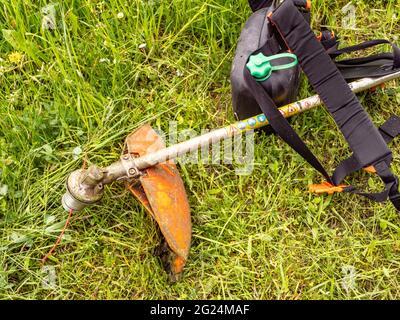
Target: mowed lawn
73, 87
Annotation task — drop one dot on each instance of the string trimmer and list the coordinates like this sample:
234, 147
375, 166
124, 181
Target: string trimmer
275, 44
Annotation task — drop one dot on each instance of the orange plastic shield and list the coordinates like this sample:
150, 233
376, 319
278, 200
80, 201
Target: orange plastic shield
163, 194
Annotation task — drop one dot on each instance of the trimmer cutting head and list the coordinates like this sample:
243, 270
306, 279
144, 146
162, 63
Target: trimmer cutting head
158, 186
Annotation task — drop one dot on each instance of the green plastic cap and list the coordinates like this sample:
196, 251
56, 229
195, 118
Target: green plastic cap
260, 66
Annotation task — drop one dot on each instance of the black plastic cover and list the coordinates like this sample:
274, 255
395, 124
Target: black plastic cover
282, 86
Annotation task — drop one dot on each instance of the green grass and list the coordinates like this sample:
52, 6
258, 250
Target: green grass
261, 236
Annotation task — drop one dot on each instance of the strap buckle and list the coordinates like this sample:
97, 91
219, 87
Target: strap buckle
326, 187
370, 169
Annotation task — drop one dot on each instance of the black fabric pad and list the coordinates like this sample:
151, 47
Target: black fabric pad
259, 4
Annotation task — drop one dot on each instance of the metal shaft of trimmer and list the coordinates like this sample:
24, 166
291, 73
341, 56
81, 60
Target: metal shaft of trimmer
245, 125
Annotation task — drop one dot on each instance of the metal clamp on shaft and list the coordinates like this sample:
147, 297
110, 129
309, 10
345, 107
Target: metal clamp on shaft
128, 163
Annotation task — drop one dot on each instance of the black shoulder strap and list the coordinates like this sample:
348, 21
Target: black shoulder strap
377, 65
365, 45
